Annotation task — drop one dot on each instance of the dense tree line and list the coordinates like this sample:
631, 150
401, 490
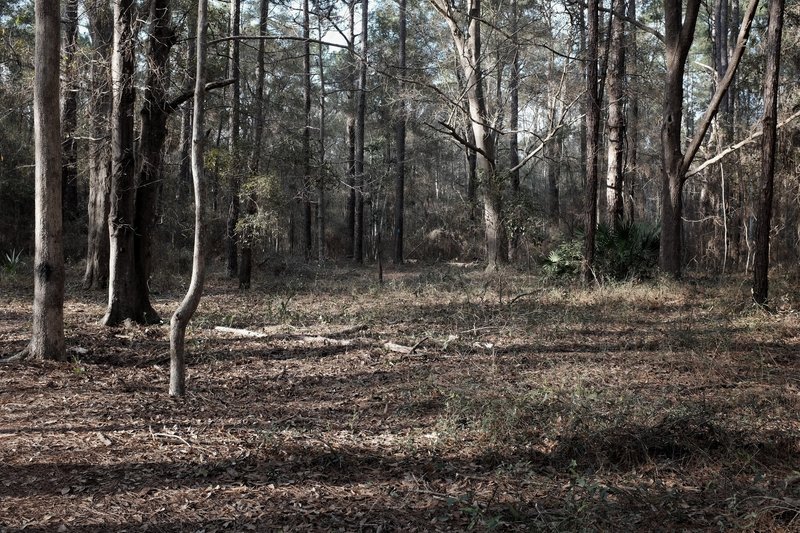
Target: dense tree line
471, 129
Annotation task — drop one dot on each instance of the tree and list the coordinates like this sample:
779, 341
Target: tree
234, 123
468, 47
47, 341
400, 139
307, 222
616, 116
351, 132
101, 32
122, 286
180, 319
768, 142
678, 38
246, 264
360, 140
592, 138
151, 147
69, 111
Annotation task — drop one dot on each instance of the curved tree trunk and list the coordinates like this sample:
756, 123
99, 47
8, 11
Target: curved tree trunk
47, 341
177, 330
101, 31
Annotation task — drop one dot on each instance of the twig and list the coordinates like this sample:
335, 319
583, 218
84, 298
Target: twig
171, 436
518, 296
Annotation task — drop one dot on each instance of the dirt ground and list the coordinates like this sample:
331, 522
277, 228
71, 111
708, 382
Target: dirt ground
524, 406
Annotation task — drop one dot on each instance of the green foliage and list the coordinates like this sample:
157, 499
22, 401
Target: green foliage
625, 251
12, 262
565, 259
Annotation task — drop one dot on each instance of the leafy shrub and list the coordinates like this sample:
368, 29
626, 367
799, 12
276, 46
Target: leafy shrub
565, 259
625, 251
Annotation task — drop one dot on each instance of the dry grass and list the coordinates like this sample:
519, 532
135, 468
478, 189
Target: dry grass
527, 407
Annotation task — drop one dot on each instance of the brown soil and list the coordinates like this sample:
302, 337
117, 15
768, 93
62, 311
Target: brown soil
525, 406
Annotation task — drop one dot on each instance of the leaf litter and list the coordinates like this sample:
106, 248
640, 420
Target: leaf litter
630, 406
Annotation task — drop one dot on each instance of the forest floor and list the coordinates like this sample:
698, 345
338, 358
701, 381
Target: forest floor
525, 406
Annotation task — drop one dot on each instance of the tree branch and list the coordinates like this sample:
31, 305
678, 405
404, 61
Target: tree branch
734, 147
173, 105
722, 88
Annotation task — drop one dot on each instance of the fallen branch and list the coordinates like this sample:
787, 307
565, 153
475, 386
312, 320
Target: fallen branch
399, 348
241, 332
289, 337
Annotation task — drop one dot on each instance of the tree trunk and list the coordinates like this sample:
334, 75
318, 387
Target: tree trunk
122, 287
307, 221
632, 156
513, 120
47, 340
321, 202
468, 46
151, 148
400, 133
101, 31
69, 112
361, 113
351, 137
592, 139
177, 331
246, 264
768, 143
678, 37
616, 116
231, 238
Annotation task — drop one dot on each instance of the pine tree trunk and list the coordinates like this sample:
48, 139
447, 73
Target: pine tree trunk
321, 201
592, 139
69, 112
351, 137
231, 238
246, 263
400, 134
361, 113
616, 117
307, 220
768, 143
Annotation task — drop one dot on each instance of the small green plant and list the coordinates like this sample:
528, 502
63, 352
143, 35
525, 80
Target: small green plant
12, 262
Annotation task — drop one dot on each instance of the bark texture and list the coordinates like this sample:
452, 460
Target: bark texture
47, 340
101, 32
768, 144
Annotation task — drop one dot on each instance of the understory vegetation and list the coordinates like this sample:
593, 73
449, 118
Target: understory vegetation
444, 399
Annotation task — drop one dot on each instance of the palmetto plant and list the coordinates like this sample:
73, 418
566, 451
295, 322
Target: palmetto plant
12, 261
625, 251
